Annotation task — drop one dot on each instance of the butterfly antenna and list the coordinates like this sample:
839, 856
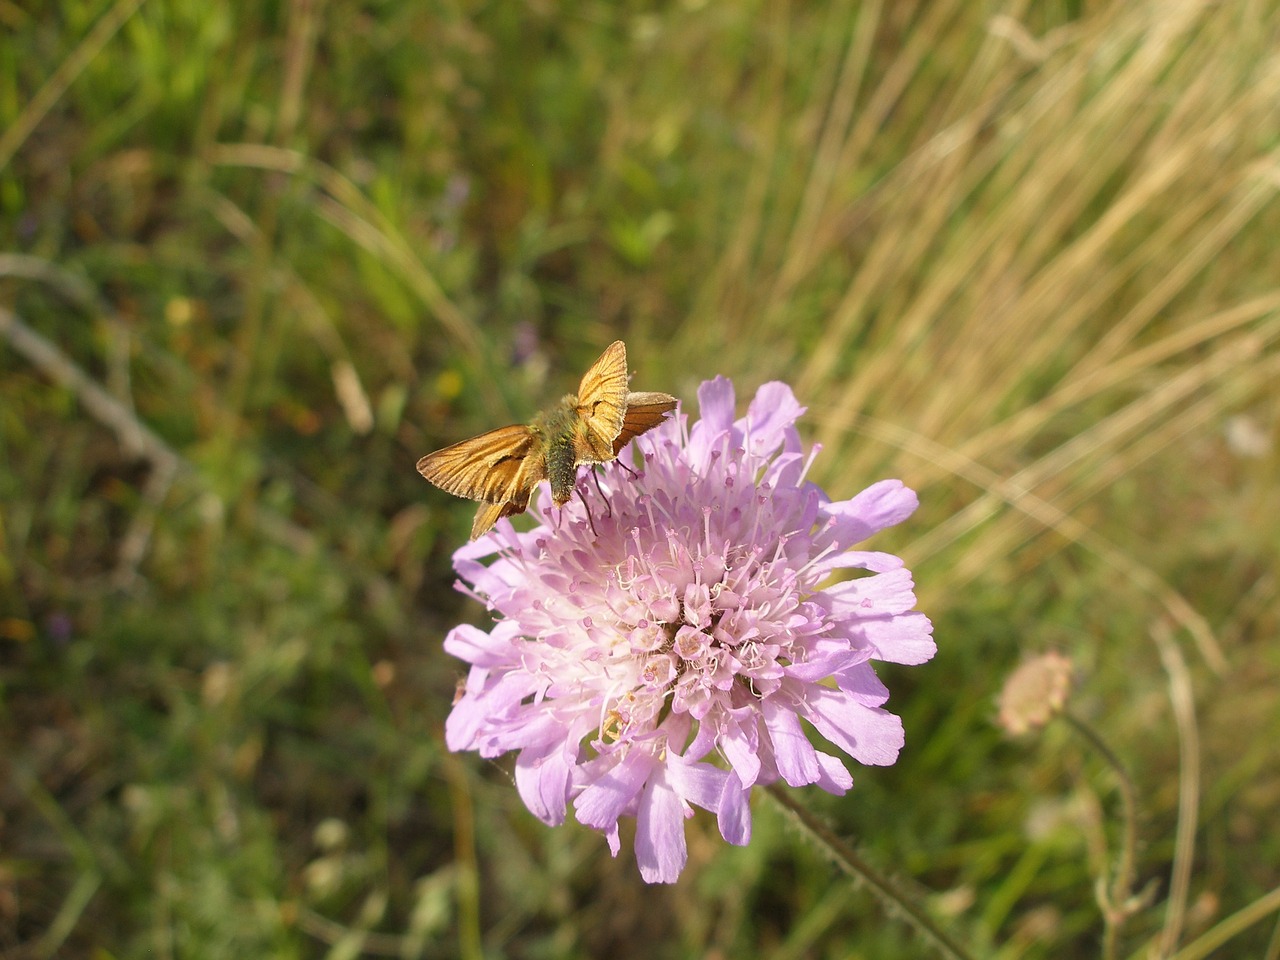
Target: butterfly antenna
607, 505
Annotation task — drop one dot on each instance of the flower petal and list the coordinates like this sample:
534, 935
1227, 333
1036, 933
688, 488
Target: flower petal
871, 560
794, 755
483, 649
715, 405
882, 594
660, 846
738, 740
868, 734
861, 683
906, 638
881, 505
772, 411
733, 816
835, 777
543, 781
600, 804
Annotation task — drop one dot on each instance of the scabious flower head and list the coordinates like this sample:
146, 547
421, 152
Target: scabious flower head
1035, 692
688, 620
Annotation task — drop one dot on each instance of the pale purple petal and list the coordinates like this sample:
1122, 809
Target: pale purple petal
906, 638
733, 816
483, 649
881, 505
835, 777
882, 594
793, 754
715, 405
786, 470
543, 782
861, 683
698, 783
600, 804
463, 725
862, 559
738, 739
660, 846
771, 414
469, 725
868, 734
822, 665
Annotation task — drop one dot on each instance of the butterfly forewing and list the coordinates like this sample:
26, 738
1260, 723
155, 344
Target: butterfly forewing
492, 467
602, 404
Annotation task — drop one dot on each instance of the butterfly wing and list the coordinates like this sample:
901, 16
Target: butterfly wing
644, 411
497, 467
602, 405
491, 513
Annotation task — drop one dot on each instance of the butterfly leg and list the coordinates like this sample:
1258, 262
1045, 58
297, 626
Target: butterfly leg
627, 467
590, 519
607, 505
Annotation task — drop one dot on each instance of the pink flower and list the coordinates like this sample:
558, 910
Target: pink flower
690, 625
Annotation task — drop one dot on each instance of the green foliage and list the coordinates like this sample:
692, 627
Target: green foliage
1022, 258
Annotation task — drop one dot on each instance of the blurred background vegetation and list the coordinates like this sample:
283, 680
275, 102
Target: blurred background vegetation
255, 259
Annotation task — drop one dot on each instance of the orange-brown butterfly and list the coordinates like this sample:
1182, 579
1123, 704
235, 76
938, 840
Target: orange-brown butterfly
503, 466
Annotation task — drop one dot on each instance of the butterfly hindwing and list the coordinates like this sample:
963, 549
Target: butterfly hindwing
491, 513
644, 411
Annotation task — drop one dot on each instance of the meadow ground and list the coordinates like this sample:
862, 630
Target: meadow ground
255, 259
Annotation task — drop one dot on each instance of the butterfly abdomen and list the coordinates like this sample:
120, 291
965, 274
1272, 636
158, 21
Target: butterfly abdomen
557, 427
562, 471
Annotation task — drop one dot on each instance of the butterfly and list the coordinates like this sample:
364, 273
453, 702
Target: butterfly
501, 467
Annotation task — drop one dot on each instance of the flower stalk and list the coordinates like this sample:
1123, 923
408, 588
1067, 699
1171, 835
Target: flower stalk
891, 897
1115, 899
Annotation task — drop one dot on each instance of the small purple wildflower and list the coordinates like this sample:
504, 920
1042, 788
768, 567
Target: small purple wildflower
690, 622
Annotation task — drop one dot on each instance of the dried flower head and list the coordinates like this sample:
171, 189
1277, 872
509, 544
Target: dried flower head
1035, 692
688, 621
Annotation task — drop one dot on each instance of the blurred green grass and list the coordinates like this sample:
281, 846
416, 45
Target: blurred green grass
1022, 256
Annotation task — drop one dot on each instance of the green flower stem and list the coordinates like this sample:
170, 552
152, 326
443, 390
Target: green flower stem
1116, 909
848, 859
